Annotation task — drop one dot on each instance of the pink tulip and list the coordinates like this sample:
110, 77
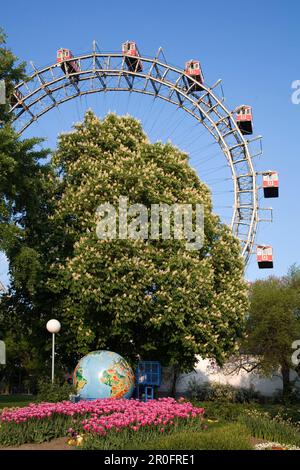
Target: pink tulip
109, 414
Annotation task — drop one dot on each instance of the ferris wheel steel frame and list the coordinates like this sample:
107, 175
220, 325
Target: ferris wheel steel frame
51, 86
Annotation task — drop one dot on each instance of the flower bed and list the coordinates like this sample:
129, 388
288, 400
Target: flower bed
104, 423
274, 429
275, 446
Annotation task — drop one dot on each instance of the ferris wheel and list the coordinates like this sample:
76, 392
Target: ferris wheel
74, 76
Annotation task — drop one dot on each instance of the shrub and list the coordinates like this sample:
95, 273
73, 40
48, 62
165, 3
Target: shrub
287, 413
53, 392
275, 429
232, 411
223, 411
216, 392
292, 397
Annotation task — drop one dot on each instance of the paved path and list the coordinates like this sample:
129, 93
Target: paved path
56, 444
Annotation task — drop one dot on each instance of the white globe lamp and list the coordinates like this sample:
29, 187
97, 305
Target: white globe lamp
53, 326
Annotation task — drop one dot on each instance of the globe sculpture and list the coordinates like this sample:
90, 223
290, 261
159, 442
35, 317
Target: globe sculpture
103, 374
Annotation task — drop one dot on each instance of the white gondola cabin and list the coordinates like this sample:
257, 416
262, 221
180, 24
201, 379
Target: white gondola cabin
131, 55
244, 119
193, 70
270, 184
67, 63
264, 256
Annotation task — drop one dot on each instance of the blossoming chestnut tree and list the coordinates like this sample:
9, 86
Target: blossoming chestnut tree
147, 298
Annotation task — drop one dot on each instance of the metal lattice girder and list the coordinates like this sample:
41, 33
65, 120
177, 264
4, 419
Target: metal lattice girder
50, 87
2, 287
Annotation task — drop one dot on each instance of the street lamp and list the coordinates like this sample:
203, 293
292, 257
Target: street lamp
53, 326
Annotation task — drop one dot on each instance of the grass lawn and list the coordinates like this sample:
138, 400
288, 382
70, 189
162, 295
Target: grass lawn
218, 436
9, 401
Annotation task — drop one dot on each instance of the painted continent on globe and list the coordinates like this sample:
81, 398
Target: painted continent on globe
103, 374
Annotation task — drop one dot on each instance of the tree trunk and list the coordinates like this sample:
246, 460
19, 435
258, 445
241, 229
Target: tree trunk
174, 382
286, 383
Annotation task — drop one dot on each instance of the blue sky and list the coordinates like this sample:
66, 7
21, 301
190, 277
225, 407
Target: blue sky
252, 46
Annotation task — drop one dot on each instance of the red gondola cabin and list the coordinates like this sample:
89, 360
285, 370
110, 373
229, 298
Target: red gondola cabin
244, 119
16, 98
271, 184
264, 255
68, 64
131, 55
193, 70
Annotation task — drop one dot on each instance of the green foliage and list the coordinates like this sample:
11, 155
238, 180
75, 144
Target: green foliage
16, 400
212, 391
21, 174
274, 429
232, 411
276, 423
34, 430
53, 392
289, 414
273, 324
230, 436
129, 439
292, 396
26, 187
148, 297
22, 361
11, 72
223, 411
293, 277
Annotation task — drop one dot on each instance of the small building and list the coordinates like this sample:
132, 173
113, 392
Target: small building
67, 63
193, 69
244, 119
131, 56
271, 184
264, 256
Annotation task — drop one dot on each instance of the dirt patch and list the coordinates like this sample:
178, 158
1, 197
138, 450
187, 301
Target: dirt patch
56, 444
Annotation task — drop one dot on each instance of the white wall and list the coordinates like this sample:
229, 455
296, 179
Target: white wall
205, 373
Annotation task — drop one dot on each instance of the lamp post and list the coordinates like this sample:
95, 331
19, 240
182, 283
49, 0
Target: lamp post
53, 326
